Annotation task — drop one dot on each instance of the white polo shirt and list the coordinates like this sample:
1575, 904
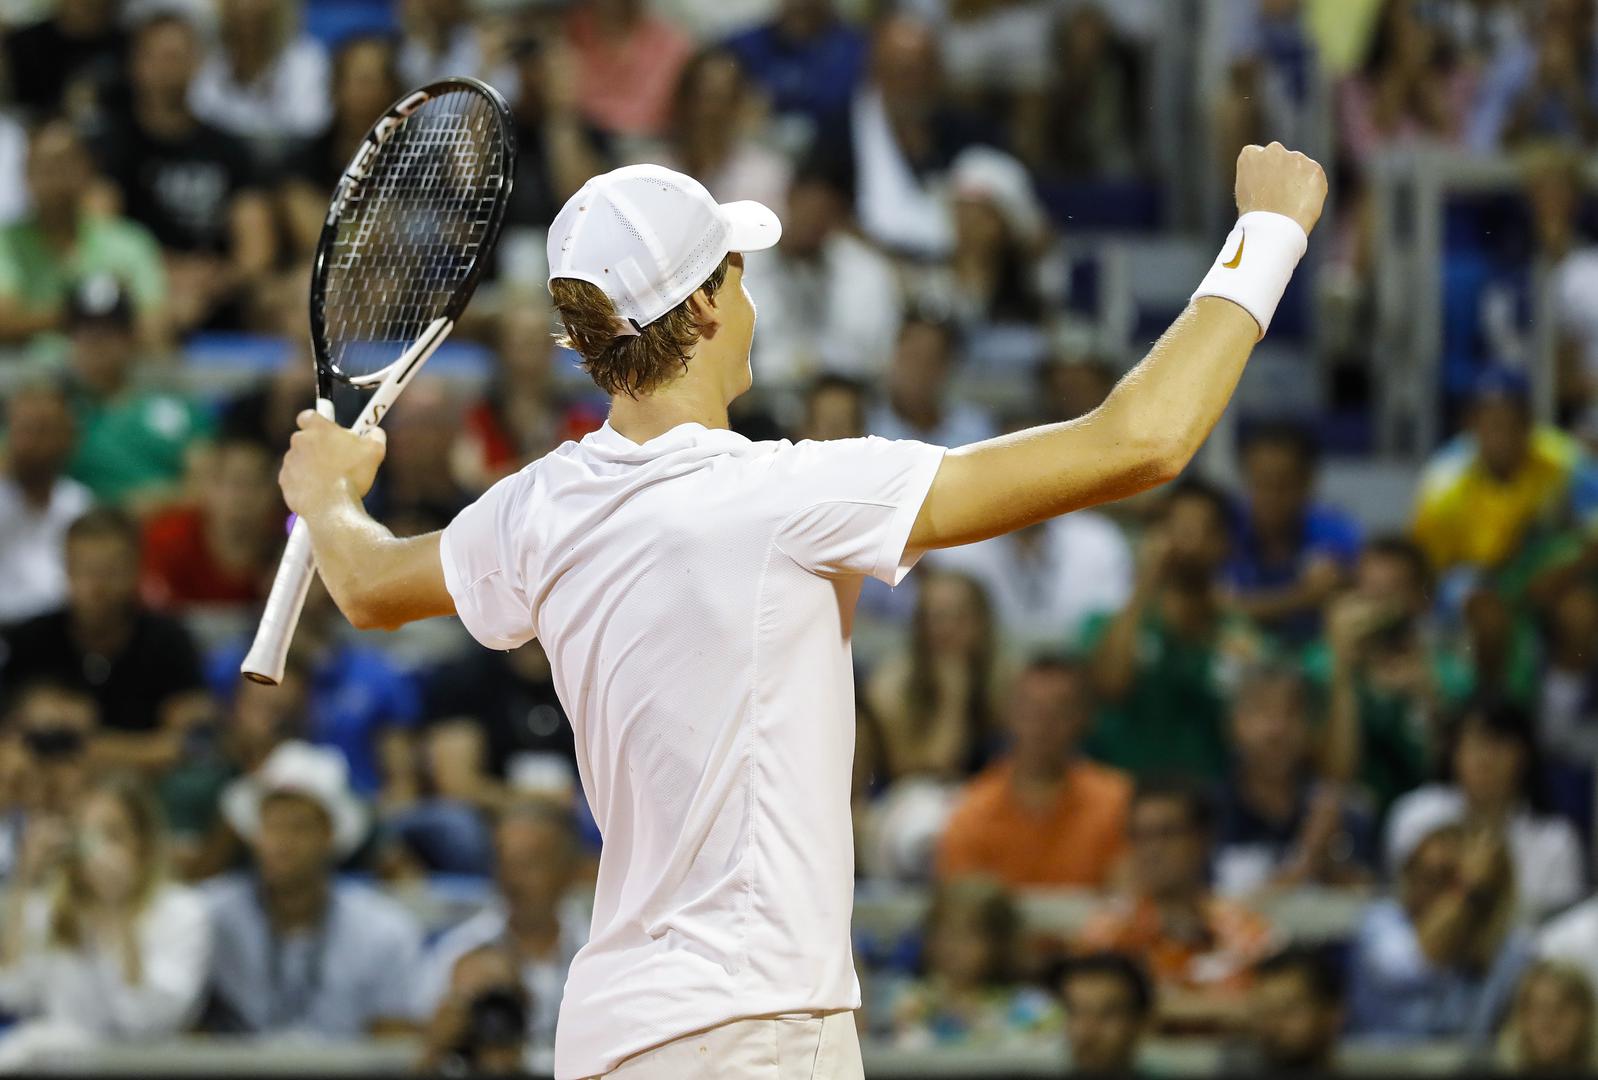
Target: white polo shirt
695, 595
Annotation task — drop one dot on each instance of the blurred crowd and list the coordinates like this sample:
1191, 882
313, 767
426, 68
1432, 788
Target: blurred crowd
1187, 708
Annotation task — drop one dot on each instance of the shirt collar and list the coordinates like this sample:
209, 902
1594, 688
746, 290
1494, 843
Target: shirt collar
610, 443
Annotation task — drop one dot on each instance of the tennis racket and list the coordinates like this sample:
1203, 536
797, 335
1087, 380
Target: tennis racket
412, 221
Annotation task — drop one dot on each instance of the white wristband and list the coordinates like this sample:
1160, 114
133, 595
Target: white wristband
1256, 263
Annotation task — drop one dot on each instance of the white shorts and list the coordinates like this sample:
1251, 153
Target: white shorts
794, 1046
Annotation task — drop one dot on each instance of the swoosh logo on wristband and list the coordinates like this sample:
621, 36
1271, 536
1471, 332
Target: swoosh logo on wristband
1237, 260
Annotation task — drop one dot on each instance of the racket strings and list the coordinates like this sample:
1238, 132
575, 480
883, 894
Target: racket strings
411, 230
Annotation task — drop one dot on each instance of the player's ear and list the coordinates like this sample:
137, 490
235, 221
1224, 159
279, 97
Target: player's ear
706, 311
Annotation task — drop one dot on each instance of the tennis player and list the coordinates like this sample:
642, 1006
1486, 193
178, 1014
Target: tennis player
695, 592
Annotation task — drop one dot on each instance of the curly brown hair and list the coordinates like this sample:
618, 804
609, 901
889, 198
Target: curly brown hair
626, 364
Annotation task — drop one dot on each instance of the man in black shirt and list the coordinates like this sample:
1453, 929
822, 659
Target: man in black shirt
493, 720
141, 668
69, 59
188, 183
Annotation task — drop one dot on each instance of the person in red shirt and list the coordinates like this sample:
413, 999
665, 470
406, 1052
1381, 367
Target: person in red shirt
219, 551
1043, 815
628, 60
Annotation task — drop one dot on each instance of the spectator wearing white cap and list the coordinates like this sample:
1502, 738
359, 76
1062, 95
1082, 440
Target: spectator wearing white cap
1000, 280
1441, 957
98, 945
298, 950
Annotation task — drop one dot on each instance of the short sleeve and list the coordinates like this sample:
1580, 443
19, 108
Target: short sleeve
854, 502
483, 551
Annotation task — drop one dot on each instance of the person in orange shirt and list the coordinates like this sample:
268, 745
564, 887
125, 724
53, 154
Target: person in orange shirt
1043, 815
1199, 948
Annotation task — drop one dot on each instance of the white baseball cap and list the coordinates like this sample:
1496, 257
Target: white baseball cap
647, 237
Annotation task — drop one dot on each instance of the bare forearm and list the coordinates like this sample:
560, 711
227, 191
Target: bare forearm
1144, 434
377, 580
1341, 746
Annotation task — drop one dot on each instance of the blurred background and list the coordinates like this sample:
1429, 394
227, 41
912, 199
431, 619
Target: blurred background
1288, 766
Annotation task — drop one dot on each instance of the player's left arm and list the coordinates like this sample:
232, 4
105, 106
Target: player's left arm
377, 579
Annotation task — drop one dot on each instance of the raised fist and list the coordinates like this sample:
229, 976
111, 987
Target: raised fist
1281, 181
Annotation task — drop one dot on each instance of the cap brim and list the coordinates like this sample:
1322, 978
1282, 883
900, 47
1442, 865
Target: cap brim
751, 226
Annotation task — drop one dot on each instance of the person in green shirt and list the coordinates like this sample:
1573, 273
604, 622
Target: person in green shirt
1384, 678
62, 242
133, 443
1163, 665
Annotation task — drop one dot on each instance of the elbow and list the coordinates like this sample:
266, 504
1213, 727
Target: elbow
1159, 458
364, 614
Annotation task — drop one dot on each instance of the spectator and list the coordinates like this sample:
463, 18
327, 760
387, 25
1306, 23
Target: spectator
967, 992
1281, 826
359, 702
263, 81
628, 62
1382, 672
1109, 1005
903, 138
298, 950
37, 502
221, 552
1484, 495
417, 491
1573, 937
1092, 121
1163, 663
1441, 957
117, 954
808, 62
134, 441
828, 300
1042, 815
1567, 713
1496, 786
934, 705
260, 719
1047, 581
534, 919
1290, 553
440, 40
835, 408
1297, 1016
480, 1026
495, 724
66, 61
557, 150
1411, 86
1545, 85
1199, 948
522, 414
998, 271
1071, 386
365, 82
141, 668
918, 404
63, 241
192, 185
711, 134
1551, 1030
52, 728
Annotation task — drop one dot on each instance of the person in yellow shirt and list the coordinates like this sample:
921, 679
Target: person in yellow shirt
1508, 479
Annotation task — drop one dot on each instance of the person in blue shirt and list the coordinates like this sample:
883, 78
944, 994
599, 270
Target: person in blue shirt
807, 60
1289, 553
358, 701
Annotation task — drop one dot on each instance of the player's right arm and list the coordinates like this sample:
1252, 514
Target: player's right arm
1152, 423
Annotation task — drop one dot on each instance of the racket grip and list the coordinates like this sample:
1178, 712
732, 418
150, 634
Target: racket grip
268, 653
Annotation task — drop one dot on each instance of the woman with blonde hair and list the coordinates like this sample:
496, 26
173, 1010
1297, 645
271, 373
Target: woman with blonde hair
96, 945
1551, 1028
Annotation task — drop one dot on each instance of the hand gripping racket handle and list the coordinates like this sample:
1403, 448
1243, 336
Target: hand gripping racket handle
264, 662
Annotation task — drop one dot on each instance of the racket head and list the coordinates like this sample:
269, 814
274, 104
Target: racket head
411, 224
